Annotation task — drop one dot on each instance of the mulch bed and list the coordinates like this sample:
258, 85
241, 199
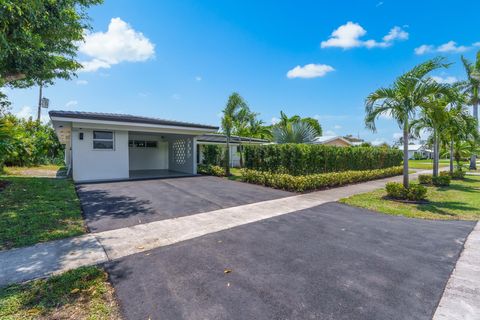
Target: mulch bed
3, 184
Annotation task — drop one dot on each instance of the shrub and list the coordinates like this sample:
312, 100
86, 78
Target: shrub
442, 180
315, 181
212, 154
425, 179
306, 159
396, 190
458, 175
211, 170
415, 192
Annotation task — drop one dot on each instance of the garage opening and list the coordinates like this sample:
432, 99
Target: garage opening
156, 155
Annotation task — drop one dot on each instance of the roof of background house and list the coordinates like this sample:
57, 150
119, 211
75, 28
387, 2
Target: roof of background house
326, 139
413, 147
221, 138
125, 118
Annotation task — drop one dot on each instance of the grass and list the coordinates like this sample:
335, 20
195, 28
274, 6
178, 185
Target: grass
235, 174
43, 170
459, 201
426, 164
37, 209
83, 293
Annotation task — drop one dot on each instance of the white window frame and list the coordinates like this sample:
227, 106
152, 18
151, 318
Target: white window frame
112, 140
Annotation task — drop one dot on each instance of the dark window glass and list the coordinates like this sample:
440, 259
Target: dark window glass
130, 143
104, 135
139, 144
151, 144
103, 145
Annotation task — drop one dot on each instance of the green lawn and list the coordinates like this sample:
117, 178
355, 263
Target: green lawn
235, 174
38, 209
83, 293
461, 200
426, 164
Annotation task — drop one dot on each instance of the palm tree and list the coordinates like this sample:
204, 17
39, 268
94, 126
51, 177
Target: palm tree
294, 132
472, 88
235, 109
401, 101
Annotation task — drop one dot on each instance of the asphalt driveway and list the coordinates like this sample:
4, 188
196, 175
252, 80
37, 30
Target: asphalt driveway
327, 262
108, 206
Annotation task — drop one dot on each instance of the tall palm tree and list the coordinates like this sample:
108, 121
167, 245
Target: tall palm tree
402, 99
235, 108
472, 88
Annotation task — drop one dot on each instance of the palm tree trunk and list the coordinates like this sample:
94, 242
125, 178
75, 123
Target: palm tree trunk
451, 156
473, 158
435, 153
227, 157
405, 155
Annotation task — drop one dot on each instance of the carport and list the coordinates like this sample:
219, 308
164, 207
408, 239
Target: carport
108, 147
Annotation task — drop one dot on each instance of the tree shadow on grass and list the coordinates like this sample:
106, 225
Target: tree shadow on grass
439, 207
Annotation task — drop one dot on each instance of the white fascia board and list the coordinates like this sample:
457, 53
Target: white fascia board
132, 126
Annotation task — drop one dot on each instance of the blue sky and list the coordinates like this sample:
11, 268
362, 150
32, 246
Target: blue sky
181, 59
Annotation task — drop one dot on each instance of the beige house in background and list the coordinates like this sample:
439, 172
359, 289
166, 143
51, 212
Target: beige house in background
332, 141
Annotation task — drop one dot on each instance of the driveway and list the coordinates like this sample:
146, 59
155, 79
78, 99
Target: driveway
327, 262
114, 205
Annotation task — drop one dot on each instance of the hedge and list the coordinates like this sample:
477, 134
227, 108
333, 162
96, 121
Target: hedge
211, 170
315, 181
304, 159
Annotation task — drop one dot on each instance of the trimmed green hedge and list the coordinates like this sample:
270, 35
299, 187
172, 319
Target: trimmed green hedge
211, 170
304, 159
315, 181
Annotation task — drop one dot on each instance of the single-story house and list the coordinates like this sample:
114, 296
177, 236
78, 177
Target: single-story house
105, 146
418, 150
332, 141
220, 139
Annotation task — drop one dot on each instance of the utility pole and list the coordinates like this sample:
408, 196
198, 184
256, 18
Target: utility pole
39, 103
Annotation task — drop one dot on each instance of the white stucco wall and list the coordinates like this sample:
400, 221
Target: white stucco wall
91, 164
148, 158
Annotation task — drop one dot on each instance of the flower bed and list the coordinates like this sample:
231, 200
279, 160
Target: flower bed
315, 181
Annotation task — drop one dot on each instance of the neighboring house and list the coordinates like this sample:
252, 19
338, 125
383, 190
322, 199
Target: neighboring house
332, 141
220, 139
418, 150
104, 146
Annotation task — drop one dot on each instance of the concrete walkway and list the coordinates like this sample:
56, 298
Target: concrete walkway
461, 298
45, 259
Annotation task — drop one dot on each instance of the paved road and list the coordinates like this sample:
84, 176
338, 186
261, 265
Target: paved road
115, 205
327, 262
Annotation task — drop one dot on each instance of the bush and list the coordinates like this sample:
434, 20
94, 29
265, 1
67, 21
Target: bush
425, 179
396, 190
306, 159
442, 180
212, 154
415, 192
211, 170
315, 181
458, 175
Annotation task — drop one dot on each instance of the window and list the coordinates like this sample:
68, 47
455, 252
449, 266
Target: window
103, 140
142, 144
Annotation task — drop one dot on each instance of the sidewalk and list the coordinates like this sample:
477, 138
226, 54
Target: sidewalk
44, 259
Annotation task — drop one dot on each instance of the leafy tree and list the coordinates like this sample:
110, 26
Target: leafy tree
402, 99
39, 39
472, 88
314, 124
234, 111
7, 134
284, 120
258, 129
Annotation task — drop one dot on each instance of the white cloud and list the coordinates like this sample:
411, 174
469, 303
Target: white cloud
71, 104
25, 112
275, 120
329, 133
118, 44
82, 82
348, 36
387, 115
448, 47
309, 71
476, 44
378, 141
337, 126
198, 78
397, 135
447, 79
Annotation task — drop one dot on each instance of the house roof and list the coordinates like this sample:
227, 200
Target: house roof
221, 138
125, 118
326, 139
413, 147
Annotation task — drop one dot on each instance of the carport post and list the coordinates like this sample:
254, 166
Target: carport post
194, 155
